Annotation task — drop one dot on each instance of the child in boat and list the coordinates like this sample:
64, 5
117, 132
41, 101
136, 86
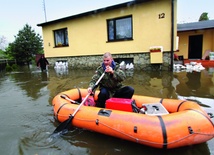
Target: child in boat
111, 84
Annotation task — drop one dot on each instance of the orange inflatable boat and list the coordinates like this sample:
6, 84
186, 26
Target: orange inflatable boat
155, 122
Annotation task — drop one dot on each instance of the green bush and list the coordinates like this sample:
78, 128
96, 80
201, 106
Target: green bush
8, 68
14, 67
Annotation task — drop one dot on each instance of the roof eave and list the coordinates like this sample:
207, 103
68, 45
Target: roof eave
94, 12
185, 30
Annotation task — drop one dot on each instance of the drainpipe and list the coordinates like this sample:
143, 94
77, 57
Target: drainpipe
172, 34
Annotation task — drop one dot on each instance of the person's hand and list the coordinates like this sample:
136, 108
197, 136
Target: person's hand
109, 69
90, 90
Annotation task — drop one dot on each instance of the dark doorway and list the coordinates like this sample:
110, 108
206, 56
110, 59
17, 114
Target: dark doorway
195, 47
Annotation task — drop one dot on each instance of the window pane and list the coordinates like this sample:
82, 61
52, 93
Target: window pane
59, 37
111, 30
123, 28
66, 37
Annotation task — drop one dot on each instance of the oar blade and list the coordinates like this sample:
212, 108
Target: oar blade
64, 126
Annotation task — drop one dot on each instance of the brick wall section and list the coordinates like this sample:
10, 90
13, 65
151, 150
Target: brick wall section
141, 61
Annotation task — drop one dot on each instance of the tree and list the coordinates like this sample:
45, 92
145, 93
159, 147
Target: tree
1, 54
203, 17
2, 42
27, 43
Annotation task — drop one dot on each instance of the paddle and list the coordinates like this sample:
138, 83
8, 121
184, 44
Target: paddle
64, 126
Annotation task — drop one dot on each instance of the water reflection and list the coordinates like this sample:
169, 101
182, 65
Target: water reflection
40, 143
31, 82
101, 144
194, 85
199, 84
157, 84
61, 71
44, 76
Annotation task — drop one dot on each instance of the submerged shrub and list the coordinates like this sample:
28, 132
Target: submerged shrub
14, 67
8, 68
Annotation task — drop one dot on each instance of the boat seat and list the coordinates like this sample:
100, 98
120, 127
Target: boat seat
154, 109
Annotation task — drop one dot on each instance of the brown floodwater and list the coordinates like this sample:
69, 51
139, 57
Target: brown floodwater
27, 117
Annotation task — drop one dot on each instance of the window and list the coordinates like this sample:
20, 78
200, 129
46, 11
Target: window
120, 29
61, 37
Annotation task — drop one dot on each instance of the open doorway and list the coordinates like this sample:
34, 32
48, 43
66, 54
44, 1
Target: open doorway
195, 47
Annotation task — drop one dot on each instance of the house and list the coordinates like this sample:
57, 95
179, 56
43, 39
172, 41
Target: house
196, 39
131, 31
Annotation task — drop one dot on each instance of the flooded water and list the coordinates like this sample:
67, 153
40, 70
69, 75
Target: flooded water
27, 116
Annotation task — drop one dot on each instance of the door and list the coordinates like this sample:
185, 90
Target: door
195, 47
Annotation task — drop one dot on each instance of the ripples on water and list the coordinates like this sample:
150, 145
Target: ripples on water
29, 123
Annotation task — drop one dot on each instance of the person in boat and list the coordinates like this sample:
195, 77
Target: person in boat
111, 84
42, 63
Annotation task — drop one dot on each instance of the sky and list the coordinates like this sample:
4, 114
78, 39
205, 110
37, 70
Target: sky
14, 14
